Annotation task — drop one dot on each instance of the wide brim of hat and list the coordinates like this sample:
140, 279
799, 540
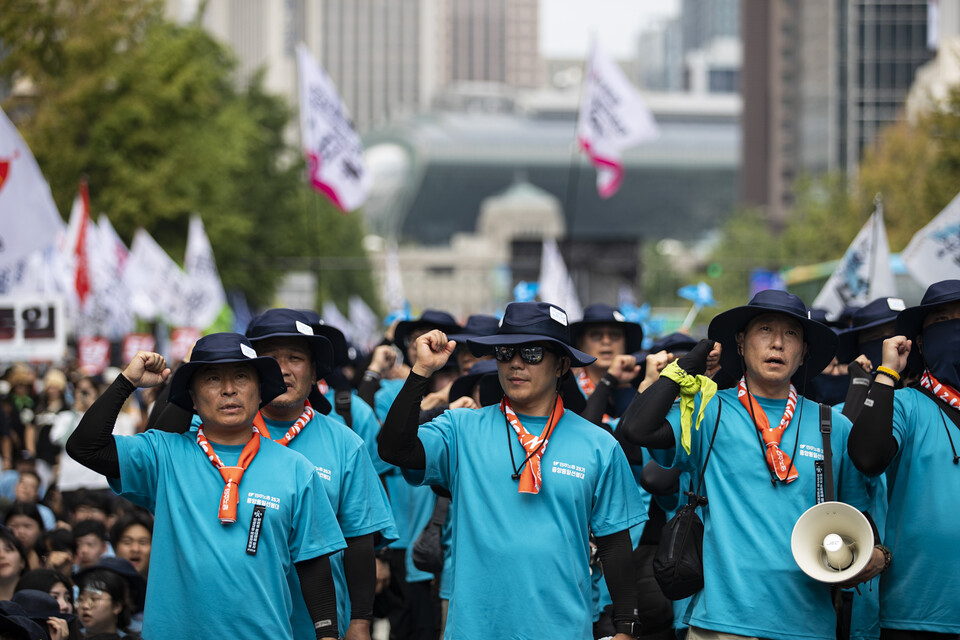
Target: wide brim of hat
322, 347
483, 346
820, 339
632, 332
848, 341
268, 371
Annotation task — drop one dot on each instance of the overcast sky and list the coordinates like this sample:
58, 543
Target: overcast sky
566, 25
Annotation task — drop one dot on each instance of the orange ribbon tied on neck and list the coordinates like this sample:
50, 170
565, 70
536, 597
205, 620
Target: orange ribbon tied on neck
534, 446
231, 475
777, 460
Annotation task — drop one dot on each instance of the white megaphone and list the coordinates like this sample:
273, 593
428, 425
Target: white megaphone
832, 542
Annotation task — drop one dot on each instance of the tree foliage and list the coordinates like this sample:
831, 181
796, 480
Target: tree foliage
151, 113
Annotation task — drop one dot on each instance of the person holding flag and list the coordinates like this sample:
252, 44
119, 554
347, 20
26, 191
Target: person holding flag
762, 474
530, 504
912, 434
270, 520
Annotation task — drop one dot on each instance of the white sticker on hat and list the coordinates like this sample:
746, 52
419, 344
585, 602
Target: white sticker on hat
247, 351
558, 315
618, 316
305, 329
896, 304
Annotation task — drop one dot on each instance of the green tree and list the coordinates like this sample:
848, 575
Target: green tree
150, 112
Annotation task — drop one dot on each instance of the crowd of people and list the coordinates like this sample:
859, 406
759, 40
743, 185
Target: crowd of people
499, 478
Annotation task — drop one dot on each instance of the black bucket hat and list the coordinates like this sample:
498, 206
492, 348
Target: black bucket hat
430, 319
40, 605
873, 314
123, 568
605, 314
674, 342
910, 320
226, 348
463, 386
289, 323
16, 623
531, 322
477, 326
341, 350
820, 339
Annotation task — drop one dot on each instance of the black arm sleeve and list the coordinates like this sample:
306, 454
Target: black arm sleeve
616, 555
871, 444
860, 382
320, 595
367, 389
398, 443
597, 402
360, 567
92, 444
633, 451
659, 481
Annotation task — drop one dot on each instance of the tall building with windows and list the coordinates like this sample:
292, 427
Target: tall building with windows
820, 80
381, 55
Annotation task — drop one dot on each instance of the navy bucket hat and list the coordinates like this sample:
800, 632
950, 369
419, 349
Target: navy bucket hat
820, 339
341, 350
430, 319
605, 314
477, 326
226, 348
125, 569
289, 323
464, 385
40, 605
873, 314
531, 322
910, 320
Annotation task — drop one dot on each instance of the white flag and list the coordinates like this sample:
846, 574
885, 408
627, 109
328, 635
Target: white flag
331, 315
331, 145
556, 285
365, 324
934, 252
864, 272
158, 286
201, 268
107, 311
28, 216
613, 117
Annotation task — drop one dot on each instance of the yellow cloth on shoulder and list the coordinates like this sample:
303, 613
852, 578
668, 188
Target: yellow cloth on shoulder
690, 386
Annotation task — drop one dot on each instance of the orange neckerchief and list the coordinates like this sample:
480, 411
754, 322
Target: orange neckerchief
943, 391
292, 432
778, 461
231, 475
530, 479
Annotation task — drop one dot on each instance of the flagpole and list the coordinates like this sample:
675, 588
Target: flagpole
877, 211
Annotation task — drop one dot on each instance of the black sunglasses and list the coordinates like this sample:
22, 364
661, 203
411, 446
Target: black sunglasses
531, 354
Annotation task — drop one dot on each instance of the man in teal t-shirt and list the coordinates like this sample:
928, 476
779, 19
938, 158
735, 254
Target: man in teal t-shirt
913, 435
342, 464
762, 471
235, 513
529, 482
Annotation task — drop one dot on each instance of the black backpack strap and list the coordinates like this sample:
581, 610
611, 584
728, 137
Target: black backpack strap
695, 496
342, 399
826, 426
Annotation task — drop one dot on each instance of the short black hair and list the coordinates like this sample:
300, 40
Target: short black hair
87, 527
127, 520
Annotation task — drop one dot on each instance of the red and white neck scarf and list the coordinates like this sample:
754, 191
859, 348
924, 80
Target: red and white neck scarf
778, 461
943, 391
530, 479
586, 384
231, 475
293, 431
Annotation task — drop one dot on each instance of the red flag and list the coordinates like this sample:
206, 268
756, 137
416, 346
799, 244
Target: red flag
82, 262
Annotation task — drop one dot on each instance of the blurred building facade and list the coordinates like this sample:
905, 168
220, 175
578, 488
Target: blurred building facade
820, 79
